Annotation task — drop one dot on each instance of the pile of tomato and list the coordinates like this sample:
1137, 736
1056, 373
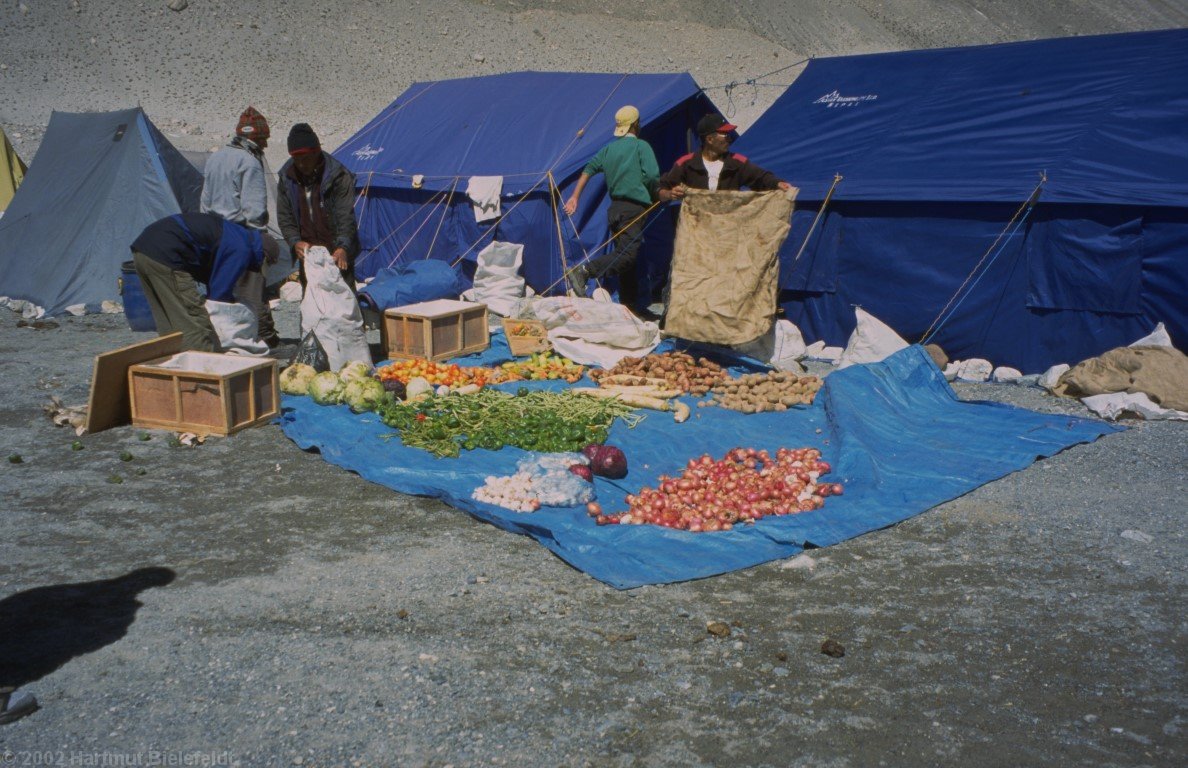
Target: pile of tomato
450, 374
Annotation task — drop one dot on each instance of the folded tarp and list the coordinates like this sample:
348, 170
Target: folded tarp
896, 434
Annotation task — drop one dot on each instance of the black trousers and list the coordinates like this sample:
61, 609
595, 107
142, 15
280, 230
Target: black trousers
624, 217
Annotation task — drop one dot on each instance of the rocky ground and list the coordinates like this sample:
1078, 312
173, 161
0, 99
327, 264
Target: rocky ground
245, 601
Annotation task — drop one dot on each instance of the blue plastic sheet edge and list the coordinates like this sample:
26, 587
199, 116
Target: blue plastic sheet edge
895, 433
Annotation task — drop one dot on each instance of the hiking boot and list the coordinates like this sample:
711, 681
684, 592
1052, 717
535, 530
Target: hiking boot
577, 281
272, 341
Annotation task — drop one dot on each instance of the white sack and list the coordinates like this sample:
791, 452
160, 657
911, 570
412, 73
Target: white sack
871, 341
1052, 376
1112, 405
1004, 374
781, 347
974, 369
331, 311
291, 291
497, 279
237, 327
591, 332
1156, 338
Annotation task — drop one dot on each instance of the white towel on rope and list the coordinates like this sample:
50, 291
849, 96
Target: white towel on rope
484, 192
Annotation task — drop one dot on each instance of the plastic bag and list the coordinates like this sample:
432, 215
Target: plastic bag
311, 353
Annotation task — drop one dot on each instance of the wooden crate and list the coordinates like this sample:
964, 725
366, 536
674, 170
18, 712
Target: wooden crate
204, 392
525, 336
436, 330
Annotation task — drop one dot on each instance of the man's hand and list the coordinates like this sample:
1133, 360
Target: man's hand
784, 186
571, 205
675, 193
340, 258
300, 249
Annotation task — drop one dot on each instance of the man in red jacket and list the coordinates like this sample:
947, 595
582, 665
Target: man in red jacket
715, 167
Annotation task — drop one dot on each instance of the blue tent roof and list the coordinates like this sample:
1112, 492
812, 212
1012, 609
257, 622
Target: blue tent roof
518, 125
1103, 116
524, 127
96, 181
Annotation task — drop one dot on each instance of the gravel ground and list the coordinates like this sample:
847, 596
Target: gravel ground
246, 602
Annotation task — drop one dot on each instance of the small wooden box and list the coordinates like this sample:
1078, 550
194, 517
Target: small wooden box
204, 392
436, 330
525, 336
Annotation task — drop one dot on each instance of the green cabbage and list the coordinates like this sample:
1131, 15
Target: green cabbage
295, 379
363, 394
326, 388
354, 371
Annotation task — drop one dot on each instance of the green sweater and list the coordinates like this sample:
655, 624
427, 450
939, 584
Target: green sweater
630, 168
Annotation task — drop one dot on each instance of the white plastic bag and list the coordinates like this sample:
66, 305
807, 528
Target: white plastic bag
497, 279
871, 341
331, 311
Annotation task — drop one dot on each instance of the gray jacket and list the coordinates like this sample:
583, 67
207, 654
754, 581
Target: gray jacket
234, 185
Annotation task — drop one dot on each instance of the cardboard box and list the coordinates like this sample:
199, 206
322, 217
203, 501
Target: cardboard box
204, 392
436, 330
525, 337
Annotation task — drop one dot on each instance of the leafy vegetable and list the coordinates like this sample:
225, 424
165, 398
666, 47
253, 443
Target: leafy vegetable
326, 388
355, 370
295, 379
535, 421
363, 394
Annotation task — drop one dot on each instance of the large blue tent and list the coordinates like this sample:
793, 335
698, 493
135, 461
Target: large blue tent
536, 130
97, 180
940, 152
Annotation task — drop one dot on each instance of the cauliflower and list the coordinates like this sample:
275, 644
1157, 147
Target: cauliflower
353, 371
326, 388
295, 379
363, 394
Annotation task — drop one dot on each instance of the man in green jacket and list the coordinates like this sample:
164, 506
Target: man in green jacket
632, 174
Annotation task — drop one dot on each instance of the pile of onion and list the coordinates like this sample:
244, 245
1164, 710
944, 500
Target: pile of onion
744, 486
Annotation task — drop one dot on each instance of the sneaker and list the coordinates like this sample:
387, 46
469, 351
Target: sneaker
577, 281
15, 704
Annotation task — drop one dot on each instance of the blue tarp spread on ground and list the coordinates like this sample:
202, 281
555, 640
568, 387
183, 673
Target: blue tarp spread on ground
939, 149
96, 181
536, 130
895, 433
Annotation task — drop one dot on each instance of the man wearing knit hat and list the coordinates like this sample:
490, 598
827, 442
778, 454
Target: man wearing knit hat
235, 186
631, 172
315, 202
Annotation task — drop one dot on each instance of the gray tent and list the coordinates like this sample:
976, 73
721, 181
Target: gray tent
96, 181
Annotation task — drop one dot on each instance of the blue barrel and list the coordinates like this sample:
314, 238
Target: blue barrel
136, 308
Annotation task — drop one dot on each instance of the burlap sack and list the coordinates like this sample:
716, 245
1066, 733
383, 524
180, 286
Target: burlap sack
725, 269
1159, 372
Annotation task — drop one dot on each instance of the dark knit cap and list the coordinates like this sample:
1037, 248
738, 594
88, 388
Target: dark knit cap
302, 140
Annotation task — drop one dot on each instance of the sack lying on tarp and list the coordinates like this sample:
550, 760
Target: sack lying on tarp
422, 280
590, 332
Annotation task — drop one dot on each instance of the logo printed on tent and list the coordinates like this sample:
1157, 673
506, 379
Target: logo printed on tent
835, 99
366, 152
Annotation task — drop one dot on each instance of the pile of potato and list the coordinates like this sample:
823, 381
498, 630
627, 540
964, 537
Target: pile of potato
759, 392
677, 369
